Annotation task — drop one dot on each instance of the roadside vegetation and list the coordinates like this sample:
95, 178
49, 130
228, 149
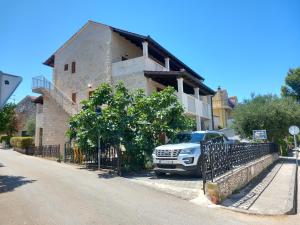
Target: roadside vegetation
131, 122
7, 122
271, 113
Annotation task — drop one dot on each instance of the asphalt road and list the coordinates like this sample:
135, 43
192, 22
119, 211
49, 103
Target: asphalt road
39, 191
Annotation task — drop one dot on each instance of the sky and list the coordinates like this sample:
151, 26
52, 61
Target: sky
243, 46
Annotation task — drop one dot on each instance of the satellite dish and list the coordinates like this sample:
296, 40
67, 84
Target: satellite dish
294, 130
8, 84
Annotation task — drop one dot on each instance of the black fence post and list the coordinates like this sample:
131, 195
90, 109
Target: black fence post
211, 155
203, 163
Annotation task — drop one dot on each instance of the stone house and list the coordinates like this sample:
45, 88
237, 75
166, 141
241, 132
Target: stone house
222, 108
25, 112
99, 53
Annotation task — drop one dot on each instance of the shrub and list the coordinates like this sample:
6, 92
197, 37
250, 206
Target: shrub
21, 142
4, 139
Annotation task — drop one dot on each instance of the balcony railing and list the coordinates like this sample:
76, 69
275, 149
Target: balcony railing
195, 106
43, 86
135, 65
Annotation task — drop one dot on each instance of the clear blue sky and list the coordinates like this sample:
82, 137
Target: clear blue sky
243, 46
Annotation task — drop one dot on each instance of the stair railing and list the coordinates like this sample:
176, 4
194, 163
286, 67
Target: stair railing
62, 99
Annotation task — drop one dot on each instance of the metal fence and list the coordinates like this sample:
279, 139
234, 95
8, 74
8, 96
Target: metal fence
52, 151
217, 159
108, 156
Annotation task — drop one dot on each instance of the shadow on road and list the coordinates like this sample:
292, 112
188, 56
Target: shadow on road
151, 176
10, 183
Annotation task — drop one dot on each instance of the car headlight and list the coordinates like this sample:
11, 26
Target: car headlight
188, 151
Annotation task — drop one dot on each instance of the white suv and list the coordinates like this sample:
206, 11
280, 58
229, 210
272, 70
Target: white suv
183, 155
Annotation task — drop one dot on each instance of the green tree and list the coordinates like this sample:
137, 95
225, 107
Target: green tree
266, 112
129, 119
8, 119
292, 84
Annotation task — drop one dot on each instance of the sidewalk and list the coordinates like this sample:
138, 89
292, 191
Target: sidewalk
272, 193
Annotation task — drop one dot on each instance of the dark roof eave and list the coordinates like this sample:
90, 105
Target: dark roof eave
171, 56
50, 61
197, 82
39, 100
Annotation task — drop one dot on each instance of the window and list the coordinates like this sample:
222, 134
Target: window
74, 97
90, 94
6, 82
66, 67
73, 67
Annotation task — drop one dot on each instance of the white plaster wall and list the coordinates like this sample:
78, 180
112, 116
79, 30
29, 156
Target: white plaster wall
122, 47
132, 81
122, 68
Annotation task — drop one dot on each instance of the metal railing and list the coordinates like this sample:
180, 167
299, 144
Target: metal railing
217, 159
108, 157
41, 85
52, 151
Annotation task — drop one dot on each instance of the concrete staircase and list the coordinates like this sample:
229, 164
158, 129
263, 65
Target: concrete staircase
43, 86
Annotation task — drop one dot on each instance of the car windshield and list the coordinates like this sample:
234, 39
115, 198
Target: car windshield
188, 138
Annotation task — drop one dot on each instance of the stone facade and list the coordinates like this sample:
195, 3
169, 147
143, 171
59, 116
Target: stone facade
95, 54
90, 51
25, 111
54, 123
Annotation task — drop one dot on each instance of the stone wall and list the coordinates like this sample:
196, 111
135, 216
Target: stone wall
25, 111
55, 124
234, 180
90, 49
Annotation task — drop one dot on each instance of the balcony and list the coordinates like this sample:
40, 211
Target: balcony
195, 106
135, 65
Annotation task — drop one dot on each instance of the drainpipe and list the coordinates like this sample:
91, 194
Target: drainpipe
212, 113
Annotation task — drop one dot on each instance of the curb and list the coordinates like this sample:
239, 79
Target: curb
291, 207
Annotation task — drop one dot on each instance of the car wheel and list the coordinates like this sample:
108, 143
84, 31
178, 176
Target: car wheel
198, 172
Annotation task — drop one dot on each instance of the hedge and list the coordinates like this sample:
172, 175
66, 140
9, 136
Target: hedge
22, 142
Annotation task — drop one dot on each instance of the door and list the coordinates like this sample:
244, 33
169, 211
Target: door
74, 97
41, 137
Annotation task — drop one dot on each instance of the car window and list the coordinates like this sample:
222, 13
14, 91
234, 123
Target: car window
187, 138
214, 137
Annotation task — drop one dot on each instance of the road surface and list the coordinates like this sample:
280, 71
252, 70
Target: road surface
39, 191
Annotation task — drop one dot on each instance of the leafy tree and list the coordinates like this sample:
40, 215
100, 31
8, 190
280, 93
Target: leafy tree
8, 119
266, 112
292, 84
129, 119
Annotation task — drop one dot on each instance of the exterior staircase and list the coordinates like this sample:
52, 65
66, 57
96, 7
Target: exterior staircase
43, 86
